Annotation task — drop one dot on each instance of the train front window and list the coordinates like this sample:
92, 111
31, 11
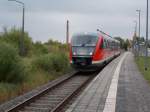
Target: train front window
84, 44
84, 40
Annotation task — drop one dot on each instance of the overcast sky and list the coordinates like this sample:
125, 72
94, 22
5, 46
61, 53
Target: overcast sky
46, 19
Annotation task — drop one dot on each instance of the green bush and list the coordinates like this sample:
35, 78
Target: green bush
55, 46
52, 62
13, 36
39, 48
11, 68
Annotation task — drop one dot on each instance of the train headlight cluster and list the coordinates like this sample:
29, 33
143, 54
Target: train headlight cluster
91, 53
74, 53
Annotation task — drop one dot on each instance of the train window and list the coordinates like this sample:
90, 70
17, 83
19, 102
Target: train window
108, 44
105, 44
113, 44
84, 40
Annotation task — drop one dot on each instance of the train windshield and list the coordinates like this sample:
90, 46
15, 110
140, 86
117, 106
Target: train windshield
84, 40
84, 44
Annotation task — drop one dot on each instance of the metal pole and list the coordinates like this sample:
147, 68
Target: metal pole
139, 11
139, 23
135, 27
67, 32
138, 39
22, 31
22, 37
139, 48
146, 42
135, 41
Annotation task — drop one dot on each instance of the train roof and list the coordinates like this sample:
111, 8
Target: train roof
85, 33
107, 37
96, 34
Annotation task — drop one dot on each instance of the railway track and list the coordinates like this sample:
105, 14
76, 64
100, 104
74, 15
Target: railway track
54, 98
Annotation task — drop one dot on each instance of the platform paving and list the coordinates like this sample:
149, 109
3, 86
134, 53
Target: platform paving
133, 94
94, 96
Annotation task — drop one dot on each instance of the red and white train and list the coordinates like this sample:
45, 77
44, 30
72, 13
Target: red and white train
89, 51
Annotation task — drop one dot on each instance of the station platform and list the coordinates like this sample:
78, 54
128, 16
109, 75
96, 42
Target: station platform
133, 90
119, 87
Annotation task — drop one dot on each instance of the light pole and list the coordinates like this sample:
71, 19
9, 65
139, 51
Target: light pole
138, 39
67, 33
135, 39
146, 42
22, 31
139, 11
135, 26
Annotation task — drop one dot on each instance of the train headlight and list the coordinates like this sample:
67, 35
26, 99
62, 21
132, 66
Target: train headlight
74, 53
91, 53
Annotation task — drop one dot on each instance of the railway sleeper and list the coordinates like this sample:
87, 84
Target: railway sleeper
52, 99
36, 109
41, 105
43, 101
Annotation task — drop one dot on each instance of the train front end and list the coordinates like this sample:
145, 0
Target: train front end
81, 51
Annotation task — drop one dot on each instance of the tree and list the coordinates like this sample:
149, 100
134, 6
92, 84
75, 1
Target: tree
126, 44
121, 41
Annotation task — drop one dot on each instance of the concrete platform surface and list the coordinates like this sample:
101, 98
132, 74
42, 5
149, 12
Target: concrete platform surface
133, 94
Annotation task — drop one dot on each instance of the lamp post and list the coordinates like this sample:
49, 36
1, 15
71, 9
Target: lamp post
139, 11
135, 39
67, 32
146, 42
135, 26
138, 39
22, 31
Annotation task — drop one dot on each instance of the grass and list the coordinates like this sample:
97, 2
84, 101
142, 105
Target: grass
36, 79
8, 91
140, 63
